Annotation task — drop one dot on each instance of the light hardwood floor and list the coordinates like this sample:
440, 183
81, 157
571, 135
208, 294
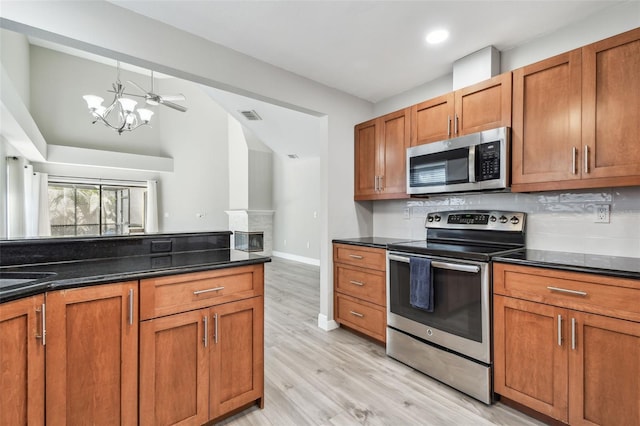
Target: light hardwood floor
314, 377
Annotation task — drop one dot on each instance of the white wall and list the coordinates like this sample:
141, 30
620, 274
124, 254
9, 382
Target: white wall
296, 201
561, 221
147, 43
238, 166
14, 56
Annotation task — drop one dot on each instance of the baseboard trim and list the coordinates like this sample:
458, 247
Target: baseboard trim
295, 257
326, 324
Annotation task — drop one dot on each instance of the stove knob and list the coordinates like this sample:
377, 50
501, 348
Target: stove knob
437, 218
503, 219
515, 220
429, 218
493, 218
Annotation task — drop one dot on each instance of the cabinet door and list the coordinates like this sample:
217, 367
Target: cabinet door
546, 132
174, 370
530, 355
483, 106
604, 367
432, 120
611, 107
92, 355
394, 140
366, 160
237, 357
22, 362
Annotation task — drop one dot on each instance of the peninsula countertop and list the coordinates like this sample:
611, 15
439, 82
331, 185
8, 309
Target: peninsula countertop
133, 266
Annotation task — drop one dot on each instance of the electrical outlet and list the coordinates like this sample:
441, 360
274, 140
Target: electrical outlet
407, 213
602, 213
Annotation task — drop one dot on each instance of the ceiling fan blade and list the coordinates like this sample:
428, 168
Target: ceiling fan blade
138, 86
178, 97
128, 94
172, 105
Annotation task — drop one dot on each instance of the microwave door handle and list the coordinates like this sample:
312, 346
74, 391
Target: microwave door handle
456, 267
472, 163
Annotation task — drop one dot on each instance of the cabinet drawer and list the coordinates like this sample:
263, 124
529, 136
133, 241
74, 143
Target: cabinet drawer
593, 293
364, 284
362, 316
365, 257
180, 293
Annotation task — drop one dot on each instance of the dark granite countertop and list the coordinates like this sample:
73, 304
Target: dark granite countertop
84, 261
101, 271
615, 266
375, 242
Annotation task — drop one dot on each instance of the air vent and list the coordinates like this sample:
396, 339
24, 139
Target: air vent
251, 115
293, 156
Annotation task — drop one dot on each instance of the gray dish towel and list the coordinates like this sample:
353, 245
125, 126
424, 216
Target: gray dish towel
421, 284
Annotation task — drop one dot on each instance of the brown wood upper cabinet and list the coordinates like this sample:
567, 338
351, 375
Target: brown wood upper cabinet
380, 157
575, 118
482, 106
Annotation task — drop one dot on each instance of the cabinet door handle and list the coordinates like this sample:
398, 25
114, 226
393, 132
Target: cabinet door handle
355, 256
574, 151
573, 333
43, 324
130, 306
215, 328
358, 314
456, 125
197, 292
448, 126
357, 283
566, 290
559, 330
205, 339
586, 158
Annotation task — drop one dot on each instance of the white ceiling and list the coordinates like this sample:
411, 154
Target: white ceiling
370, 49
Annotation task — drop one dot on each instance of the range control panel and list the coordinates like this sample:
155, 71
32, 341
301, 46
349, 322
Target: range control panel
499, 220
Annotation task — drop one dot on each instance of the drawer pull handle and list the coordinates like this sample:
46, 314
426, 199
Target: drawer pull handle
356, 283
566, 290
358, 314
195, 293
355, 256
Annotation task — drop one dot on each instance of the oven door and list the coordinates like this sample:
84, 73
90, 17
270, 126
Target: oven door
461, 318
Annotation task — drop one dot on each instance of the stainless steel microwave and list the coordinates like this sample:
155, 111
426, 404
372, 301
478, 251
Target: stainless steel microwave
475, 162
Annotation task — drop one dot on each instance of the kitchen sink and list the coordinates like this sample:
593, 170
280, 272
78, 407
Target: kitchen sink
12, 279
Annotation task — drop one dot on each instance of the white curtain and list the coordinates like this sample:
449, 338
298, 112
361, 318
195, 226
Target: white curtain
27, 200
151, 221
16, 224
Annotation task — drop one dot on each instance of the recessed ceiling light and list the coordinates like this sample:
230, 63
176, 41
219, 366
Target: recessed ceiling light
437, 36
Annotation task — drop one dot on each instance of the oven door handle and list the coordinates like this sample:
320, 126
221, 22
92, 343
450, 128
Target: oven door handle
441, 265
456, 267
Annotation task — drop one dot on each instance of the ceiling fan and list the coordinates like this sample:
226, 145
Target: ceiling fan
154, 99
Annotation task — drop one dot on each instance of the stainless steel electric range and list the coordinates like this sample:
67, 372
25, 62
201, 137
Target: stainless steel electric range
449, 338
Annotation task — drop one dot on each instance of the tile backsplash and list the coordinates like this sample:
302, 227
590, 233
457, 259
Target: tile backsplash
559, 221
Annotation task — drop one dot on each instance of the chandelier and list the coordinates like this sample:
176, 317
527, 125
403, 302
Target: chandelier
121, 115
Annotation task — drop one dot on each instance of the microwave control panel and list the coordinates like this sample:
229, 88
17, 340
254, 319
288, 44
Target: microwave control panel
488, 161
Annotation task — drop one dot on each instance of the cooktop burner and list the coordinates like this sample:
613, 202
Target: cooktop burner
473, 235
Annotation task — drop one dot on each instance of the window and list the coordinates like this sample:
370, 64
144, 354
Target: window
96, 208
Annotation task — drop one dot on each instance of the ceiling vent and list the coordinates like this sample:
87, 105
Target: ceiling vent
293, 156
251, 115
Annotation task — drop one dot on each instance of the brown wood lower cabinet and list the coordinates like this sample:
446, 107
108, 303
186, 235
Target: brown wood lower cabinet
554, 355
201, 364
22, 362
92, 355
359, 286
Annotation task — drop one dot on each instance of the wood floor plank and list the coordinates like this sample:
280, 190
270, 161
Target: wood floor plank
337, 378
